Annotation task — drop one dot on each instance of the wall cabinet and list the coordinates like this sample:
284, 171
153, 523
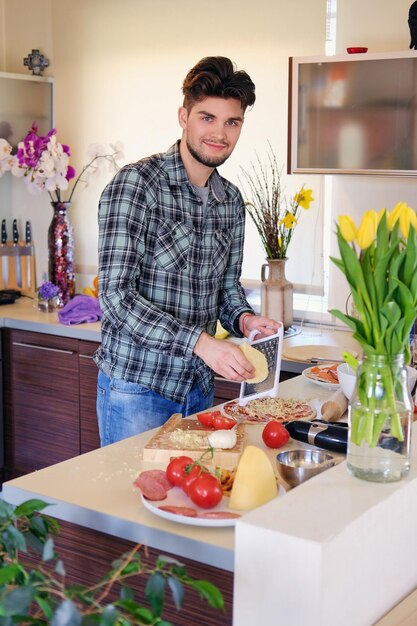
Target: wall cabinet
50, 390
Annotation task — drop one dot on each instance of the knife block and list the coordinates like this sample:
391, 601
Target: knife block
17, 267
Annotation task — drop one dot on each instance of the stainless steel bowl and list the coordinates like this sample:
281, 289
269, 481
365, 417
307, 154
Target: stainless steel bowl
297, 466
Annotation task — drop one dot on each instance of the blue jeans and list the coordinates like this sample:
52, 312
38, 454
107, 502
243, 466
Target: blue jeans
125, 409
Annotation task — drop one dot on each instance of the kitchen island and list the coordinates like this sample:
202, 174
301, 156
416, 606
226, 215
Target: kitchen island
319, 554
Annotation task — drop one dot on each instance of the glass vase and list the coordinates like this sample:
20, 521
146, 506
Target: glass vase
61, 252
276, 292
380, 417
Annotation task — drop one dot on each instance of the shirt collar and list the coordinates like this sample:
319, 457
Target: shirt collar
176, 174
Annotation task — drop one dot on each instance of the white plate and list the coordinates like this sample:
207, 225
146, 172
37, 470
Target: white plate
176, 497
326, 385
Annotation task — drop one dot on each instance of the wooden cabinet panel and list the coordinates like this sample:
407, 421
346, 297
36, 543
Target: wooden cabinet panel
90, 439
41, 401
88, 554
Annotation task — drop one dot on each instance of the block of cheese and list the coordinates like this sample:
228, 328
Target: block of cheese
255, 482
258, 360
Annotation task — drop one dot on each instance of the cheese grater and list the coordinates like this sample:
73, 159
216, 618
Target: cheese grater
271, 347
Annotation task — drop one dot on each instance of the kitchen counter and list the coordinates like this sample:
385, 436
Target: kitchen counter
319, 554
24, 315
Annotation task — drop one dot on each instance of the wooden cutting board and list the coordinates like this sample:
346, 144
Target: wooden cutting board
187, 436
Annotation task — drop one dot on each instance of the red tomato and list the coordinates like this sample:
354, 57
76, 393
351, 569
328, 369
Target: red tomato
176, 469
190, 478
206, 491
275, 435
220, 422
207, 418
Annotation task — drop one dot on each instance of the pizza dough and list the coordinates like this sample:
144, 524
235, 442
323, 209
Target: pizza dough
262, 410
258, 360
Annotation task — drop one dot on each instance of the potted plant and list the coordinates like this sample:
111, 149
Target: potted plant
39, 594
275, 219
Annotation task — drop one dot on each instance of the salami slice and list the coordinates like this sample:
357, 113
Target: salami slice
219, 515
153, 484
179, 510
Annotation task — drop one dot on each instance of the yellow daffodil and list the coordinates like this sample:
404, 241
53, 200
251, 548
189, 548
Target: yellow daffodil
289, 221
367, 230
347, 228
304, 198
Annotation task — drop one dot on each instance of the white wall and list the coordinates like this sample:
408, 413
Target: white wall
118, 69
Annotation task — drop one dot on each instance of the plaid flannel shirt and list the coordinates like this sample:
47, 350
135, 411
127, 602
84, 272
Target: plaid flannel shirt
167, 272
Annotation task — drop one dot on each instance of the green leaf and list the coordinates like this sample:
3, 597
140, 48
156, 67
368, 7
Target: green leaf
139, 612
46, 607
66, 614
48, 550
177, 590
18, 600
6, 511
155, 592
30, 506
208, 591
109, 616
8, 573
126, 593
13, 539
163, 559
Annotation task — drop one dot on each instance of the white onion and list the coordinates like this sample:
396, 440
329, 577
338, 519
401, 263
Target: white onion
223, 439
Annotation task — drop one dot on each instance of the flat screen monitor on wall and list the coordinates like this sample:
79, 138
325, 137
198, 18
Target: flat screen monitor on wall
24, 100
353, 114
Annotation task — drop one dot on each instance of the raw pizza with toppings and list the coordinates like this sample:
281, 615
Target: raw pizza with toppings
265, 409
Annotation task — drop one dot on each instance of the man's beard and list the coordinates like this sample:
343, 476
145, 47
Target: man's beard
205, 160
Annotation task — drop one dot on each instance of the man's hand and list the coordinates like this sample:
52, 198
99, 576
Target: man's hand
224, 357
265, 325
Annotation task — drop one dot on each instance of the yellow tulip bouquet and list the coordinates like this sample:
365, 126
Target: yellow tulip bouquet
379, 261
275, 221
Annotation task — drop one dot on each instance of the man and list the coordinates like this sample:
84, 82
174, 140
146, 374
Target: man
170, 254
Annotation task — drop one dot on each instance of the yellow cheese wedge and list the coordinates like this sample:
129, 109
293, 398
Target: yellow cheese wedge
221, 333
254, 482
258, 360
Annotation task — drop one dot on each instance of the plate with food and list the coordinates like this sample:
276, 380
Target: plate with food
262, 410
177, 507
187, 493
323, 375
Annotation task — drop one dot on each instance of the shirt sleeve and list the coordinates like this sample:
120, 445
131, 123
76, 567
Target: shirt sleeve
123, 217
232, 299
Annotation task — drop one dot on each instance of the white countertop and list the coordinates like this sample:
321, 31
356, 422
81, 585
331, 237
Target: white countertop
324, 549
25, 315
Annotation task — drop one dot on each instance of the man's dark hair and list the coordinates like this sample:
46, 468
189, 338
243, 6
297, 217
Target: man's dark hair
217, 76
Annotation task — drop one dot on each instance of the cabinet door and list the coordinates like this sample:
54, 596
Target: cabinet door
42, 400
90, 439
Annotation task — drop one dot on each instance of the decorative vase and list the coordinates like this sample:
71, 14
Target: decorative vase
276, 292
380, 418
61, 245
47, 306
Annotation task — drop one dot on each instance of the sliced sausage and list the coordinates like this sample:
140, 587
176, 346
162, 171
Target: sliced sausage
219, 515
153, 484
179, 510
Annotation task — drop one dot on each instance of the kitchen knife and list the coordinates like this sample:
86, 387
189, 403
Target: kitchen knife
3, 273
30, 274
12, 282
